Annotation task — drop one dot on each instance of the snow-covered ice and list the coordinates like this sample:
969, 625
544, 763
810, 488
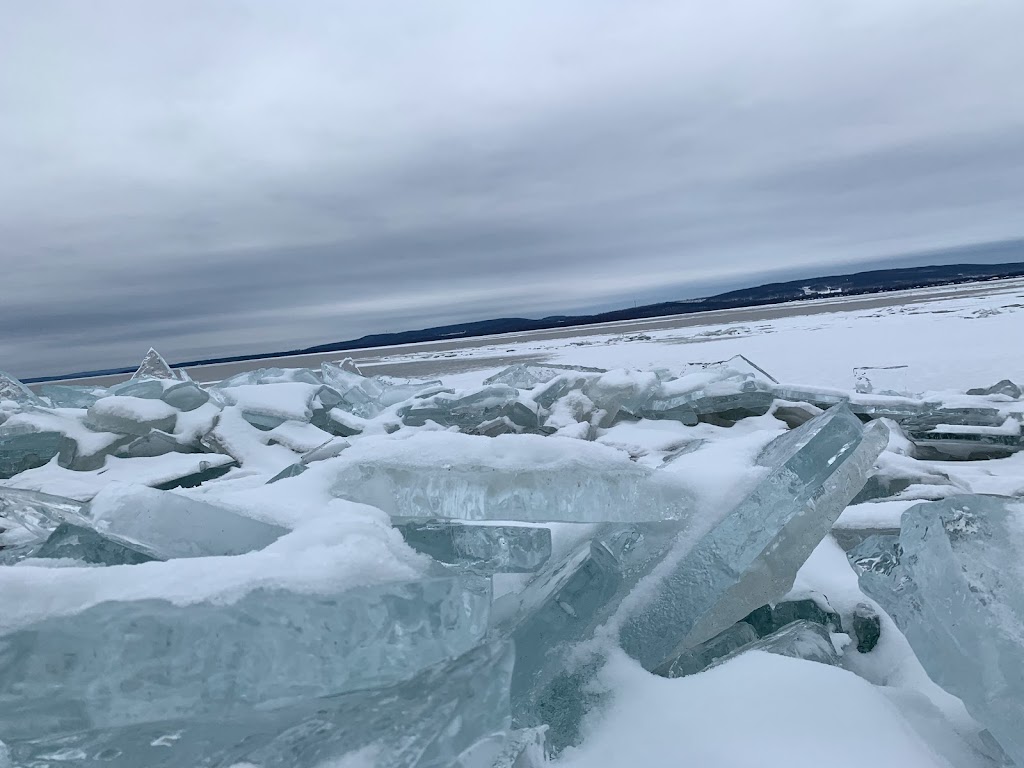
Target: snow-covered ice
358, 610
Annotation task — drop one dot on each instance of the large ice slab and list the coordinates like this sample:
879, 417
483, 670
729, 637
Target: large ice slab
176, 526
79, 542
955, 588
510, 477
120, 663
751, 557
479, 547
427, 722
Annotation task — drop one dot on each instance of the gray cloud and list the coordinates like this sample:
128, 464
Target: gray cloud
235, 177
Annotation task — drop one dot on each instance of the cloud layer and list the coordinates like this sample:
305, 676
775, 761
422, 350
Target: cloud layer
225, 178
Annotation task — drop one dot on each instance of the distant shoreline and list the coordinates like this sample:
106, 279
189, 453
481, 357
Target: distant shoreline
809, 289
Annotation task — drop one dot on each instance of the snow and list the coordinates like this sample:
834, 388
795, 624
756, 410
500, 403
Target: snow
287, 400
149, 470
134, 408
338, 546
756, 710
67, 421
952, 338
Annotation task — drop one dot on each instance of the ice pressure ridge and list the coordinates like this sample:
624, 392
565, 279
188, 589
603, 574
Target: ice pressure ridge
294, 566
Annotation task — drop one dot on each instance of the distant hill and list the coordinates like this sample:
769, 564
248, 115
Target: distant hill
874, 281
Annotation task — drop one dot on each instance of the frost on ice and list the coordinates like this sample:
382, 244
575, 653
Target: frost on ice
296, 567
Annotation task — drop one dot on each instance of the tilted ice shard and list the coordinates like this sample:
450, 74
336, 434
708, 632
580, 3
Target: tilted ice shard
510, 477
153, 366
79, 542
119, 663
565, 605
955, 588
751, 557
703, 655
481, 548
426, 722
801, 639
13, 390
176, 526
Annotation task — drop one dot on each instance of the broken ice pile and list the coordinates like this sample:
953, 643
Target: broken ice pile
953, 583
292, 567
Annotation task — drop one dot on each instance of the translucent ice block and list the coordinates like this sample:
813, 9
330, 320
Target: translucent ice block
701, 656
426, 722
68, 396
176, 526
82, 543
751, 557
120, 663
481, 548
954, 588
801, 639
468, 411
526, 478
21, 450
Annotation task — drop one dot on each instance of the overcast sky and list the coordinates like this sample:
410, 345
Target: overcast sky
224, 177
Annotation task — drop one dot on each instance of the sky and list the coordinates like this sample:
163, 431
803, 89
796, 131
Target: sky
229, 177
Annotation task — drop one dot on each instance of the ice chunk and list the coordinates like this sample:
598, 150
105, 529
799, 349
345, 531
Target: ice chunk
468, 411
328, 450
889, 380
27, 518
68, 396
299, 436
78, 542
261, 376
153, 366
751, 557
156, 443
770, 618
700, 657
144, 661
953, 587
186, 396
131, 415
801, 639
14, 391
427, 722
879, 552
268, 405
1005, 387
22, 449
174, 525
481, 548
867, 627
525, 376
525, 478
